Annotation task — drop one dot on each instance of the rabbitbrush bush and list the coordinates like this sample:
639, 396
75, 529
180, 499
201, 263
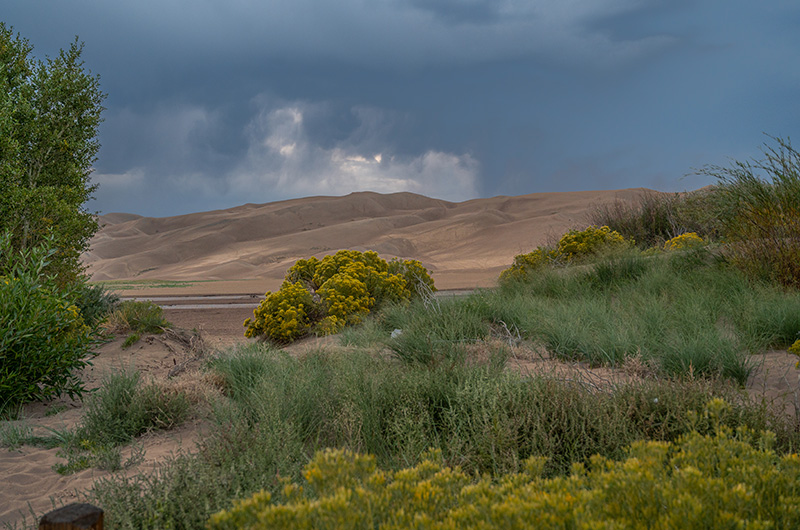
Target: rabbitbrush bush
722, 480
323, 296
573, 246
684, 241
43, 337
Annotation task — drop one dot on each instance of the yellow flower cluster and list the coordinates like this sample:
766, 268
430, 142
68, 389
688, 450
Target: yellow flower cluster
573, 246
524, 264
724, 480
281, 316
577, 244
795, 349
323, 296
684, 241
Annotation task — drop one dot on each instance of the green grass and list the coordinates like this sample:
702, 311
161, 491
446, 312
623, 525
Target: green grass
124, 408
279, 410
135, 317
134, 285
682, 312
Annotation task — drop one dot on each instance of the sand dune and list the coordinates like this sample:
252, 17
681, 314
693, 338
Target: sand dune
464, 244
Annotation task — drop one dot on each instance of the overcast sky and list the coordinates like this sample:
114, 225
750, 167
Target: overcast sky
216, 103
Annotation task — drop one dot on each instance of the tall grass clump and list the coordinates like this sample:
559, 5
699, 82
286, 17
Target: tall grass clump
123, 408
657, 217
134, 316
120, 410
683, 311
758, 205
482, 417
433, 332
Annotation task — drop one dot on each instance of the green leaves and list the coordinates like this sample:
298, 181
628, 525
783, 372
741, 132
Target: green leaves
49, 116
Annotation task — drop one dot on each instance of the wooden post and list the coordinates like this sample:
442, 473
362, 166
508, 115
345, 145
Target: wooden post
75, 516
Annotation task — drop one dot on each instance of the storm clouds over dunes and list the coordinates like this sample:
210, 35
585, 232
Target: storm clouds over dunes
216, 104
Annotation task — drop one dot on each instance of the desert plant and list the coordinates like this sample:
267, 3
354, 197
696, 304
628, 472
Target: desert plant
525, 264
684, 241
123, 408
94, 301
579, 244
725, 479
655, 217
43, 337
134, 316
574, 246
324, 296
758, 205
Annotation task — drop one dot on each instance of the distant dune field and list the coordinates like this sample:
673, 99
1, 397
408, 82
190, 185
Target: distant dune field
464, 244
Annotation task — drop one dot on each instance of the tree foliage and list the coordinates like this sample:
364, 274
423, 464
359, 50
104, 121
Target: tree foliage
49, 116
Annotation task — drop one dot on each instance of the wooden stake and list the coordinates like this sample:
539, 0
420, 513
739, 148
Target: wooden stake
76, 516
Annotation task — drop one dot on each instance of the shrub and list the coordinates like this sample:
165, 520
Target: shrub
94, 302
578, 244
43, 337
700, 481
133, 316
657, 217
684, 241
123, 408
282, 316
573, 246
323, 296
524, 264
758, 205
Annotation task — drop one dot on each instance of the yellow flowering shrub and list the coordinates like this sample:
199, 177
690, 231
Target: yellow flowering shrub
795, 349
574, 245
684, 241
577, 244
346, 297
723, 480
524, 264
323, 296
282, 316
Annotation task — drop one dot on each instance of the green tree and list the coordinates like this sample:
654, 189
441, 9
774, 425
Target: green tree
49, 116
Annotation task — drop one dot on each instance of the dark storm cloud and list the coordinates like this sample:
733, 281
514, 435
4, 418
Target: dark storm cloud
216, 103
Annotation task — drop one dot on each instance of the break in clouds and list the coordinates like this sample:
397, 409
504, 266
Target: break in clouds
283, 158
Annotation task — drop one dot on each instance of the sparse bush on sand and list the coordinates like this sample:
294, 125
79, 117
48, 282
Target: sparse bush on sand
133, 318
323, 296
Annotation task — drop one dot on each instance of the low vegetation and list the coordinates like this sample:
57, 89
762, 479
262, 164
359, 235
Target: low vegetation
485, 420
324, 296
119, 411
722, 480
132, 318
